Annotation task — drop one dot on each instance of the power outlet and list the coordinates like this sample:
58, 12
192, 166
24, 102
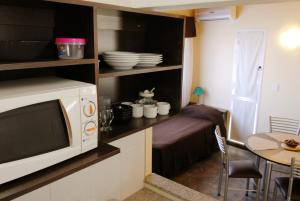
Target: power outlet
276, 87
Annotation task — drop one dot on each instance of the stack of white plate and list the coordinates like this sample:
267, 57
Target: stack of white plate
121, 60
149, 59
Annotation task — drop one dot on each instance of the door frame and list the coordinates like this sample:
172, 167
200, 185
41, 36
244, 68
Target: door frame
258, 104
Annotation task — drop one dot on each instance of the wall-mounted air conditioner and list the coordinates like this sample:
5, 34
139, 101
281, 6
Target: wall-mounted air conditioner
209, 14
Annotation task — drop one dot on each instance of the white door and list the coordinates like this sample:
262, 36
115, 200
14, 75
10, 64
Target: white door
247, 79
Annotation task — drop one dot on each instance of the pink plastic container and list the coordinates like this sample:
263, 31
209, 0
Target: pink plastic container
70, 48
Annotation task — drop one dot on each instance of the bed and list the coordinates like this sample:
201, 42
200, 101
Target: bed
185, 139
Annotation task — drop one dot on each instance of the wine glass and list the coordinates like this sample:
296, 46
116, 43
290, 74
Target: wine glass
106, 117
109, 118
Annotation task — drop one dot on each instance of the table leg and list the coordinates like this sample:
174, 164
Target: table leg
267, 179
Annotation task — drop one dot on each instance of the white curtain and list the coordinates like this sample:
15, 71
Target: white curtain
187, 71
247, 76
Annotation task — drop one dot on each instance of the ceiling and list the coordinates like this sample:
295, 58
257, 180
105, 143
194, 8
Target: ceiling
193, 4
183, 4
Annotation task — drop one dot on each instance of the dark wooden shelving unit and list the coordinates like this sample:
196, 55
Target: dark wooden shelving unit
139, 31
27, 33
44, 64
126, 30
134, 125
109, 72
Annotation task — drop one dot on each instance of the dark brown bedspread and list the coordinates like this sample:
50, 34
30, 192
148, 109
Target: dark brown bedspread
180, 142
208, 113
177, 129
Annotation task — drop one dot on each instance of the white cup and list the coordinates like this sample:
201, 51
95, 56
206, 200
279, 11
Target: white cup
137, 110
150, 111
163, 108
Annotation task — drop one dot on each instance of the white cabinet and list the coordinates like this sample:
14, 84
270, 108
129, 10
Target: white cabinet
132, 167
117, 177
99, 182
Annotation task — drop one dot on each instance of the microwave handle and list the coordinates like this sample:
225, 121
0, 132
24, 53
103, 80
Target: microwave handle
66, 117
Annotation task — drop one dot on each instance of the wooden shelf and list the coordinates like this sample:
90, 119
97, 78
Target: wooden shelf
108, 72
44, 64
133, 126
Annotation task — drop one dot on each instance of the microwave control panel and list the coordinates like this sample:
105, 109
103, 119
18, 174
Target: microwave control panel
89, 120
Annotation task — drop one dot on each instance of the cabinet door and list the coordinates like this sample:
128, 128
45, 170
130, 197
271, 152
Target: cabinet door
132, 163
37, 195
99, 182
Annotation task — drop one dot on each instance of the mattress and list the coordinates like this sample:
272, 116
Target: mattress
180, 142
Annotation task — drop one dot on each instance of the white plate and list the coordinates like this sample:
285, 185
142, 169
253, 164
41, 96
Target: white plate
297, 148
126, 65
121, 68
150, 55
122, 63
153, 63
145, 65
150, 61
122, 60
120, 53
118, 56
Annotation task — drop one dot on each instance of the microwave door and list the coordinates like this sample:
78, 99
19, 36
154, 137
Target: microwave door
67, 120
32, 130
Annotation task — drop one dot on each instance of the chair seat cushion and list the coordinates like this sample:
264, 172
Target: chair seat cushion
243, 169
283, 184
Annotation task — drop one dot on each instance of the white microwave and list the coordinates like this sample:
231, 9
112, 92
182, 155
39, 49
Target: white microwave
44, 121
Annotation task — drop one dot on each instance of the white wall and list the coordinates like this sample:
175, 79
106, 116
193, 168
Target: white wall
282, 66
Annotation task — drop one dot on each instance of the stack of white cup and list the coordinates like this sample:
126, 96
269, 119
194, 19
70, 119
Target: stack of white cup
163, 108
137, 110
149, 111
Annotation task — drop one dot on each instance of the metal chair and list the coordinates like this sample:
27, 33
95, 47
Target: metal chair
289, 186
282, 125
236, 169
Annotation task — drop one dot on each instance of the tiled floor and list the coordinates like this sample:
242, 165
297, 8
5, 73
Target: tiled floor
175, 190
146, 195
203, 177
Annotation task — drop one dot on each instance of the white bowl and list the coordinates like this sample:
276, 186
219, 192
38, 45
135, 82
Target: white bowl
121, 65
120, 53
121, 56
147, 64
122, 60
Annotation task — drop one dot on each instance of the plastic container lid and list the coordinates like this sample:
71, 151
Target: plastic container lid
80, 41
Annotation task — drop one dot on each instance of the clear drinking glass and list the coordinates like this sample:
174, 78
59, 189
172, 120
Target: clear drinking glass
106, 117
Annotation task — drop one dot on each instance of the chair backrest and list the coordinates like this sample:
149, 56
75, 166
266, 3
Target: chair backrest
284, 125
295, 173
221, 141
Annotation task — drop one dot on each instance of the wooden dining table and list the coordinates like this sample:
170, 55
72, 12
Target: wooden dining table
269, 146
